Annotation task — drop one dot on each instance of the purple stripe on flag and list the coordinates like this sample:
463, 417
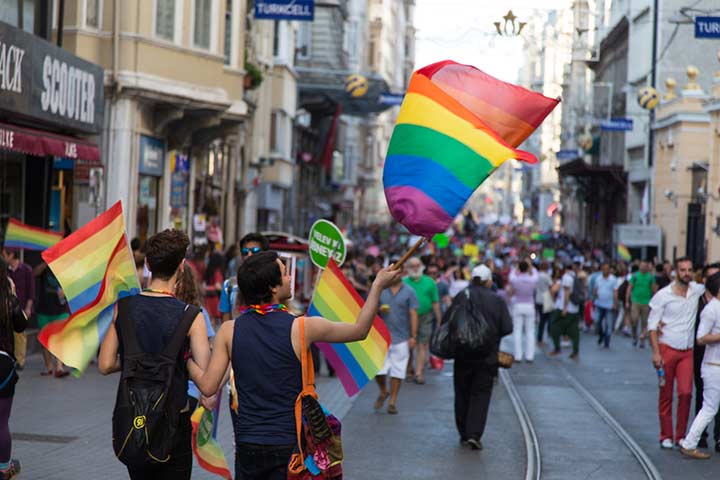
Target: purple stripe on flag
341, 370
419, 213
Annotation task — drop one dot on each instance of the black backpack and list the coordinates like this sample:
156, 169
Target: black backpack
578, 294
146, 418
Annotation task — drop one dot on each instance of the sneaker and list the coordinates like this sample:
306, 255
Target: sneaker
667, 444
392, 409
554, 353
642, 344
574, 356
475, 444
12, 471
380, 401
694, 453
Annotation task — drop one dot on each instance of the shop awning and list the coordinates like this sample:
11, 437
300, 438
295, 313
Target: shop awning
41, 144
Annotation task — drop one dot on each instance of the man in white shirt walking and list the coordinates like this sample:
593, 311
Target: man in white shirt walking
671, 325
567, 314
708, 334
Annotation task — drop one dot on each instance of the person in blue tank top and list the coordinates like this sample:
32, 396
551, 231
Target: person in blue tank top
263, 346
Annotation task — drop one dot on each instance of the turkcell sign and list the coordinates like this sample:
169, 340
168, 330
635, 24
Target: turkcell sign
617, 124
707, 27
302, 10
570, 154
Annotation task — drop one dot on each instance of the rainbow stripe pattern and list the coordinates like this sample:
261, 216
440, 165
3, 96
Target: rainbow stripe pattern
19, 235
355, 363
456, 125
623, 252
95, 268
207, 451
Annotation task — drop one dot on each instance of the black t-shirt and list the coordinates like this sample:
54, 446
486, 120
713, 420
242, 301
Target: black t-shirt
49, 302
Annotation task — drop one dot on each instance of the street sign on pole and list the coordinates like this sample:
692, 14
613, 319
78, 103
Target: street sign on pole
302, 10
392, 99
569, 154
617, 125
707, 27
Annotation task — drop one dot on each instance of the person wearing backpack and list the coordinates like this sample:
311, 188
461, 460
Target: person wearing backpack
264, 347
150, 339
567, 310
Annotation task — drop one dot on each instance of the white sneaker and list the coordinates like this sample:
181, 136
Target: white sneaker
667, 444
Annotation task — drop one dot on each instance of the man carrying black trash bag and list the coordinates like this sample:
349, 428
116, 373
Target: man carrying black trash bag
475, 371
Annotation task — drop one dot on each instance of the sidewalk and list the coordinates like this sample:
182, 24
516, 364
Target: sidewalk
61, 427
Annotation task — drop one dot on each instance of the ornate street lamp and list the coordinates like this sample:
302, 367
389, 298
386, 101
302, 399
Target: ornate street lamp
515, 29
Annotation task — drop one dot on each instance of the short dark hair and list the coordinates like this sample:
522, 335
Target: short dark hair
255, 237
523, 266
257, 276
135, 244
659, 268
680, 260
710, 266
713, 284
165, 251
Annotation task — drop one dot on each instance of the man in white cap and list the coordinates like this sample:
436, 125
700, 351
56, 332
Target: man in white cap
475, 372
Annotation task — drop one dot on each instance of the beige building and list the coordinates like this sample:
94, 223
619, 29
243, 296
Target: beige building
173, 134
684, 165
712, 107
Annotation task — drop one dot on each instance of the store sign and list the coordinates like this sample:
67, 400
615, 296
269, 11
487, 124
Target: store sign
180, 167
302, 10
152, 156
326, 241
44, 82
569, 154
617, 125
707, 27
391, 99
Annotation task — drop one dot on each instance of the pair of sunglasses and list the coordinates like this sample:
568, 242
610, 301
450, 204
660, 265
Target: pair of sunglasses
245, 251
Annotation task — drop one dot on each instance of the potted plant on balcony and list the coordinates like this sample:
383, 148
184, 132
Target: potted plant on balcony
253, 75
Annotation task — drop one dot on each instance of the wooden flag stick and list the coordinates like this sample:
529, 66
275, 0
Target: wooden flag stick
398, 265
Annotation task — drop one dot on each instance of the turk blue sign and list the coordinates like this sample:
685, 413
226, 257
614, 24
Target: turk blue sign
617, 125
302, 10
570, 154
392, 99
707, 27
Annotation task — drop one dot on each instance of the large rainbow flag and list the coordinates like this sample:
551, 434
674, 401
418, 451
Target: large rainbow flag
19, 235
355, 363
456, 125
95, 268
207, 451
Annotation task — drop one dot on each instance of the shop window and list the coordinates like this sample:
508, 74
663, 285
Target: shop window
165, 19
203, 22
228, 31
147, 211
20, 14
92, 14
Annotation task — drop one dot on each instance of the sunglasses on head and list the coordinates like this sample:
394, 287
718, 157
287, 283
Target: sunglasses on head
254, 250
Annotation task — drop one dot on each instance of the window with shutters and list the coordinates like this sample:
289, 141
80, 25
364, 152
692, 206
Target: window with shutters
203, 21
165, 19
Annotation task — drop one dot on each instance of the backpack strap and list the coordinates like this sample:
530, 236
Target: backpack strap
127, 328
308, 367
172, 349
308, 373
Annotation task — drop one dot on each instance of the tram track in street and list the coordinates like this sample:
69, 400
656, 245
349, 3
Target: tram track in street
533, 469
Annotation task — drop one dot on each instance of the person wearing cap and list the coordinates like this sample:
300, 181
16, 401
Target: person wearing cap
567, 314
474, 374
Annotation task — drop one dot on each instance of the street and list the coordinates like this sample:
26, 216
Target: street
61, 428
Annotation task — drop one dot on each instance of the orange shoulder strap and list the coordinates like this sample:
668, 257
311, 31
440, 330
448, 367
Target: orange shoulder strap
308, 367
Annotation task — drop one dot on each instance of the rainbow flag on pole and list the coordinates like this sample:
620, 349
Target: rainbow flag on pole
623, 252
456, 125
355, 363
19, 235
95, 268
207, 451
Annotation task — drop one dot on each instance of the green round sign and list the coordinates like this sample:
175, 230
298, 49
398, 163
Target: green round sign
326, 241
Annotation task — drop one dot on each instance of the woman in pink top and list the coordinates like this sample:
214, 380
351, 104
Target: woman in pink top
523, 280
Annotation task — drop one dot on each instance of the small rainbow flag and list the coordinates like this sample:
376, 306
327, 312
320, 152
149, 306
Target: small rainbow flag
207, 451
623, 252
95, 268
456, 125
355, 363
19, 235
538, 236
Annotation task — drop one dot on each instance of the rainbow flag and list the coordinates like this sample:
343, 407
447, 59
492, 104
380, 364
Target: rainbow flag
456, 125
623, 252
207, 451
95, 268
19, 235
355, 363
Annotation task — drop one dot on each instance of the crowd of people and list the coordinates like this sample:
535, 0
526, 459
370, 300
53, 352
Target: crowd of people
528, 286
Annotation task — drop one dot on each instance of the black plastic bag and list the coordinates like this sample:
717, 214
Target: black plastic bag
464, 330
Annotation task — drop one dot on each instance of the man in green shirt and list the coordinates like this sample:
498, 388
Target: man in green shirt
639, 293
428, 309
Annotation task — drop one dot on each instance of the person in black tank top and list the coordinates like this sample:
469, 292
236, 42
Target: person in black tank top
155, 315
262, 345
